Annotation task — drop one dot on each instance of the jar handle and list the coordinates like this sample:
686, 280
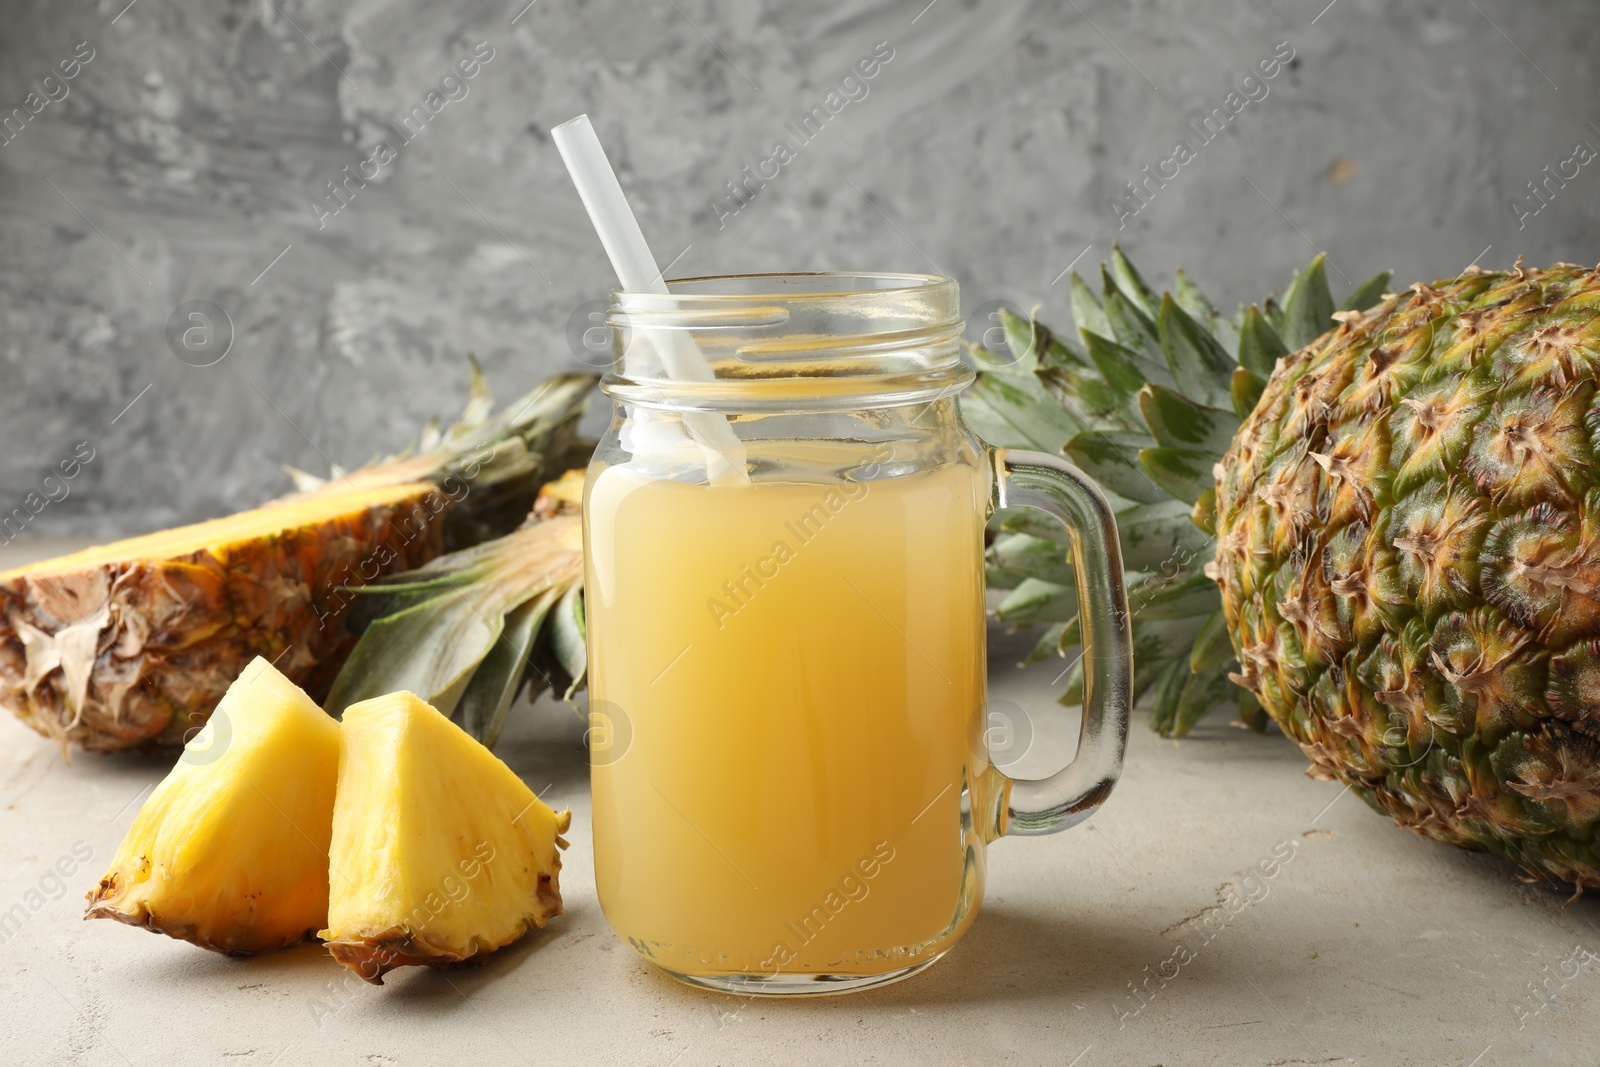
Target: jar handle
1066, 798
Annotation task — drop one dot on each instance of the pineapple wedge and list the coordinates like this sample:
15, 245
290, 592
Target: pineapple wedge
231, 850
440, 853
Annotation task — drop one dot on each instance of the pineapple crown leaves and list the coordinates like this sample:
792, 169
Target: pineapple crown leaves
483, 447
1146, 402
488, 463
466, 630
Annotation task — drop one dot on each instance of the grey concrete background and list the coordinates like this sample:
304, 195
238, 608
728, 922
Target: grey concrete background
182, 161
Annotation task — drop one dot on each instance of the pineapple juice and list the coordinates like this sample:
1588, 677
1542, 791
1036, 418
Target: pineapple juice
791, 677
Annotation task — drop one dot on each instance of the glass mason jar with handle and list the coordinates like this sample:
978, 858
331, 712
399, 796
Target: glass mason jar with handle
792, 792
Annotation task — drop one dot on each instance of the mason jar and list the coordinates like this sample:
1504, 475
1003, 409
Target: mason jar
784, 538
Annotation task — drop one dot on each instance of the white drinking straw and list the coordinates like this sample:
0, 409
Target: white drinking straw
636, 271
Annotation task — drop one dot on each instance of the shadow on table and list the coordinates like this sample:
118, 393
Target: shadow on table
1010, 954
446, 992
330, 990
1007, 955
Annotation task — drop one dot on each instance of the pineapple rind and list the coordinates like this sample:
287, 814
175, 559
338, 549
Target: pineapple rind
1409, 557
440, 854
230, 850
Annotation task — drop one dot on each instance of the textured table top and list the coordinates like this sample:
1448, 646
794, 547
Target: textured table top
1148, 936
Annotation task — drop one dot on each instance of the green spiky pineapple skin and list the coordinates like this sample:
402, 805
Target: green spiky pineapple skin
1408, 550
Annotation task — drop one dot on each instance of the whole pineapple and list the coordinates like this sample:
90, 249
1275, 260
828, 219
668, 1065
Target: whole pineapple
1409, 555
1407, 526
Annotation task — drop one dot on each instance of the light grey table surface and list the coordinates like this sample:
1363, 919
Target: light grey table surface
1368, 945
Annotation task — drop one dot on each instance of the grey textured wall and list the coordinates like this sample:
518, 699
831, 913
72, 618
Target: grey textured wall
185, 156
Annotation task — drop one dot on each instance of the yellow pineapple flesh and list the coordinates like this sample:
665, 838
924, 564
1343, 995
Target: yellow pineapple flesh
231, 850
440, 854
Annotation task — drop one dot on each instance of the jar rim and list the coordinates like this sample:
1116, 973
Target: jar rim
792, 340
912, 283
756, 396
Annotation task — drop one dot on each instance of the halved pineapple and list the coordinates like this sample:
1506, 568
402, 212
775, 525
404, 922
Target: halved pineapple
440, 853
131, 644
231, 850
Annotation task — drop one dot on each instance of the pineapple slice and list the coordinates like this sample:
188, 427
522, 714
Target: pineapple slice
440, 853
231, 850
